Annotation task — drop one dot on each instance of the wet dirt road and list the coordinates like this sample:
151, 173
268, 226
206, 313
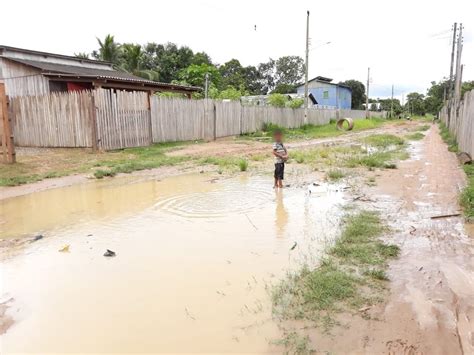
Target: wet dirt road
430, 309
195, 254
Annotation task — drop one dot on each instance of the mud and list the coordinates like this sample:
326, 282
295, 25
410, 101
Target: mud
429, 308
195, 256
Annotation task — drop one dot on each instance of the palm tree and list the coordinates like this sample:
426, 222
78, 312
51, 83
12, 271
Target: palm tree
133, 62
109, 50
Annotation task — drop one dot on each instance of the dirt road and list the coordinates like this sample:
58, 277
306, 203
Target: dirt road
430, 309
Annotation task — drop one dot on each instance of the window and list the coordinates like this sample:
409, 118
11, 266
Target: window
326, 94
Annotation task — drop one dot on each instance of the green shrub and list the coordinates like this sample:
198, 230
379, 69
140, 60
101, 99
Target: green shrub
243, 164
295, 103
277, 100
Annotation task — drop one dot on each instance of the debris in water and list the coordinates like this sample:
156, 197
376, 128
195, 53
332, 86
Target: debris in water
189, 314
446, 215
251, 222
220, 293
364, 309
64, 249
109, 253
413, 230
37, 237
294, 246
421, 268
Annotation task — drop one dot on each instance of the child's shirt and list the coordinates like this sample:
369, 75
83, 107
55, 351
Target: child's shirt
279, 148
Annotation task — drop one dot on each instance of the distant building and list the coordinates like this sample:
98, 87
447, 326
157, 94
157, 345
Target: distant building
28, 72
325, 94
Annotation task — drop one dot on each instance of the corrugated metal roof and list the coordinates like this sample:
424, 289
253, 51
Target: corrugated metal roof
53, 69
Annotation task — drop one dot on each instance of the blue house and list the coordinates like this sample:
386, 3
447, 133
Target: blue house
324, 93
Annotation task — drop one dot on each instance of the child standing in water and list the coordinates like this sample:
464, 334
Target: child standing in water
281, 156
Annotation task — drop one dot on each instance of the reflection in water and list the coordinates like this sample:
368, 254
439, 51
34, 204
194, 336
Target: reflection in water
281, 214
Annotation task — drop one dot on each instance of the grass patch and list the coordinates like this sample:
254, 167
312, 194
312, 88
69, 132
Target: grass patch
226, 163
467, 194
335, 174
448, 138
423, 128
354, 267
311, 131
384, 140
415, 136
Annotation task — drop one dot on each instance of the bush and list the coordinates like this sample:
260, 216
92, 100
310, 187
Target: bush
295, 103
277, 100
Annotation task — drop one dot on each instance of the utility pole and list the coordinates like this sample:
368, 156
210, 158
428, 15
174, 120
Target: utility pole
367, 97
391, 105
458, 82
451, 70
306, 96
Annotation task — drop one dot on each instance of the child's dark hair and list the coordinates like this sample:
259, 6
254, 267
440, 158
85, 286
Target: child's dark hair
277, 132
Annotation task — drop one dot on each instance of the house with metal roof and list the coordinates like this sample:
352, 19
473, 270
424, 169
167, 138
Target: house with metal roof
324, 93
27, 72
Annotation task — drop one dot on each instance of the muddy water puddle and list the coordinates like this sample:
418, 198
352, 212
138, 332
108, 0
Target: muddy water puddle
196, 257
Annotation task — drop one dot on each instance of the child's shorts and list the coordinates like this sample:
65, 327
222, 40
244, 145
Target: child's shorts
279, 170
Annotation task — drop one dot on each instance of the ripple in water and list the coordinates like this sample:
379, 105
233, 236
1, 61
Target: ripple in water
230, 196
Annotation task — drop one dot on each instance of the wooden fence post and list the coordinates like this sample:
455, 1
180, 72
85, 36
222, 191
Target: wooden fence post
95, 147
7, 142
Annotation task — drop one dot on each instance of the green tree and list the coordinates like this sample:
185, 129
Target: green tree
267, 76
196, 75
358, 92
435, 96
467, 86
233, 74
109, 50
201, 58
284, 89
386, 105
289, 70
416, 103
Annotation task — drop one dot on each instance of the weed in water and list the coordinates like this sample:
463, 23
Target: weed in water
295, 343
243, 164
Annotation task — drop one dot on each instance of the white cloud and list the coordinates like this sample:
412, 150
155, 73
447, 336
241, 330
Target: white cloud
394, 38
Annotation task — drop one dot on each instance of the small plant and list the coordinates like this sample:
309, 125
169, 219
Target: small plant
243, 164
100, 174
467, 194
277, 100
384, 140
295, 103
335, 174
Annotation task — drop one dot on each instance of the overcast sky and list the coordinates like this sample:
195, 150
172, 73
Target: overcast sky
404, 42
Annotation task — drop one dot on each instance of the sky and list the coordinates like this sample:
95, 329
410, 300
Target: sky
405, 42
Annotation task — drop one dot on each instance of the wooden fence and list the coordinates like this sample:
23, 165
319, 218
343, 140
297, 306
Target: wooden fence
461, 122
108, 119
55, 120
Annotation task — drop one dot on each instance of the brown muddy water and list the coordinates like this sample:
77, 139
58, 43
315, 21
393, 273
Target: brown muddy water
196, 257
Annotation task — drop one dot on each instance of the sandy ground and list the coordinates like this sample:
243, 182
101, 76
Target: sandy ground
430, 308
